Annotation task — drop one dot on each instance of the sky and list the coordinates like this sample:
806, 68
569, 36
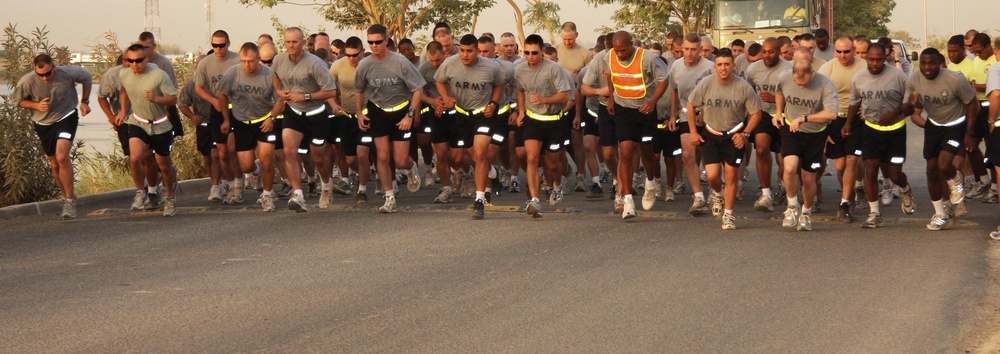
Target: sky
183, 22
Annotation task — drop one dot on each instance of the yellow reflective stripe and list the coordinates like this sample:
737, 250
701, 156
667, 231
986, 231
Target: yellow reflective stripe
841, 115
820, 129
425, 109
634, 87
504, 109
634, 76
886, 128
394, 108
467, 113
542, 117
258, 120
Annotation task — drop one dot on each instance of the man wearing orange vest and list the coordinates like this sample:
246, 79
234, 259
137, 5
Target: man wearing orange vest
638, 80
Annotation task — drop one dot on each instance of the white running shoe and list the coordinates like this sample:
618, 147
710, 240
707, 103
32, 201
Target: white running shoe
764, 203
805, 222
649, 195
728, 222
938, 222
717, 203
791, 217
628, 210
389, 206
297, 203
215, 194
699, 206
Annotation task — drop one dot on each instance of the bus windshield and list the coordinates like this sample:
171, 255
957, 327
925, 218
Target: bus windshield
752, 14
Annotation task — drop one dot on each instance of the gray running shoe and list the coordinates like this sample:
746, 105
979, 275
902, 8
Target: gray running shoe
69, 209
389, 206
152, 201
764, 203
267, 203
995, 234
699, 206
805, 223
215, 194
717, 203
139, 201
874, 220
361, 198
938, 222
908, 204
595, 191
169, 206
957, 191
341, 187
325, 199
297, 203
413, 179
235, 196
533, 209
444, 196
886, 194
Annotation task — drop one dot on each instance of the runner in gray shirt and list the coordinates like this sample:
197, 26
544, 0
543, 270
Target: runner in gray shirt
809, 101
993, 97
149, 91
684, 75
950, 101
726, 100
304, 82
472, 86
393, 89
108, 98
163, 63
49, 93
255, 106
877, 93
206, 78
763, 76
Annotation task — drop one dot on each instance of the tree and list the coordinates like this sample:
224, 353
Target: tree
649, 21
867, 17
401, 17
911, 43
543, 15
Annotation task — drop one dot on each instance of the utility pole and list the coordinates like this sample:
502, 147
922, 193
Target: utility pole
209, 18
151, 22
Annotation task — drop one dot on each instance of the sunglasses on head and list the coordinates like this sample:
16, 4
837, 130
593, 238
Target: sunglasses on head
135, 61
49, 73
379, 42
219, 45
531, 52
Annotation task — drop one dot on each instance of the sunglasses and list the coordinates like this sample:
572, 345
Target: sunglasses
531, 52
135, 61
843, 51
268, 62
46, 74
378, 42
219, 45
352, 55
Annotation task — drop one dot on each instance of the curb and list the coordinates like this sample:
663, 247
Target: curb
186, 187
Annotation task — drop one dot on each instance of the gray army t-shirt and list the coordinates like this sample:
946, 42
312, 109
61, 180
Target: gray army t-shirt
427, 71
156, 82
594, 75
725, 105
684, 78
944, 98
878, 94
765, 79
167, 66
507, 71
110, 88
210, 71
819, 95
61, 92
389, 82
188, 98
654, 72
546, 80
470, 85
252, 96
308, 75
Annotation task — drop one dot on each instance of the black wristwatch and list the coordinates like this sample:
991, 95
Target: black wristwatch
410, 112
308, 96
85, 101
805, 118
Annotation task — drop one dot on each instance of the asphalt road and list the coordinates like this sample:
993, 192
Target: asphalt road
429, 279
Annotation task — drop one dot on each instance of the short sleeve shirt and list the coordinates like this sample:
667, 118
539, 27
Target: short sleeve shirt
110, 89
470, 85
684, 78
388, 82
252, 96
156, 82
307, 75
819, 95
61, 92
944, 98
546, 80
654, 70
210, 70
842, 77
188, 98
725, 105
343, 74
594, 76
992, 81
878, 94
765, 79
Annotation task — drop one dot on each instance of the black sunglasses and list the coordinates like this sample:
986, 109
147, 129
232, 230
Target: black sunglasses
843, 51
219, 45
352, 55
135, 61
535, 52
46, 74
379, 42
268, 62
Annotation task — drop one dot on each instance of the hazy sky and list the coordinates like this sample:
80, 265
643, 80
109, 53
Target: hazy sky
79, 23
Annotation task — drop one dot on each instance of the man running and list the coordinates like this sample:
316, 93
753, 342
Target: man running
206, 79
951, 106
727, 101
304, 82
472, 87
354, 145
844, 146
392, 88
255, 105
877, 93
50, 94
806, 103
683, 79
150, 92
763, 76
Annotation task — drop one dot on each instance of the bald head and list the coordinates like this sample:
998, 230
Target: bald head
803, 54
267, 51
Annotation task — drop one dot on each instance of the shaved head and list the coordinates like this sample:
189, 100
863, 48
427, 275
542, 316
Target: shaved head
622, 37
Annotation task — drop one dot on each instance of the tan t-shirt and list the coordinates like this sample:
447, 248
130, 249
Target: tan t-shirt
574, 58
343, 73
842, 79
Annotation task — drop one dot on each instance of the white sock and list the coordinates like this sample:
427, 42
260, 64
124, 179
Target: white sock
700, 195
327, 185
595, 179
297, 193
873, 206
256, 170
727, 212
362, 188
345, 179
493, 173
534, 200
858, 184
266, 194
766, 191
489, 189
793, 201
151, 190
390, 194
939, 207
480, 195
842, 200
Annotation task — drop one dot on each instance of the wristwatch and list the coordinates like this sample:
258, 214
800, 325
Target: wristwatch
308, 97
746, 135
805, 118
85, 101
410, 112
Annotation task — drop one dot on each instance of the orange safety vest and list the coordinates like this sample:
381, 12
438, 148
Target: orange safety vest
628, 81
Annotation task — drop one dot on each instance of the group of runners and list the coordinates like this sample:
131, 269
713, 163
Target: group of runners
324, 117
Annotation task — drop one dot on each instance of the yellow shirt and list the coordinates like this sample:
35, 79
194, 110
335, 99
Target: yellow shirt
979, 69
843, 78
965, 68
573, 59
795, 13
